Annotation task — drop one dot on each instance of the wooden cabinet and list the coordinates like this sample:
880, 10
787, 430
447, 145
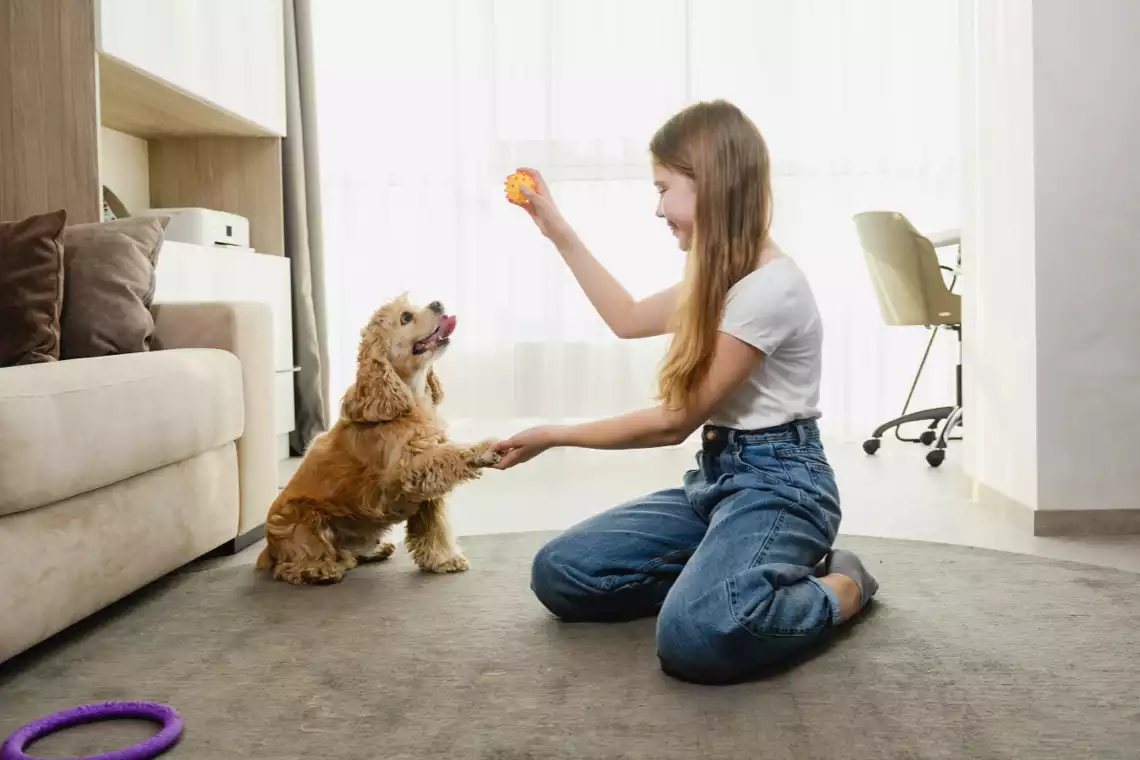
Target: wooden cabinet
202, 81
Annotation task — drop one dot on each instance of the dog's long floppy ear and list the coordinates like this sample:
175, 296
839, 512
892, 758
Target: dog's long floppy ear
435, 388
378, 395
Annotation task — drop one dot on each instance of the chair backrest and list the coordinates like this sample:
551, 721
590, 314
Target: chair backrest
905, 272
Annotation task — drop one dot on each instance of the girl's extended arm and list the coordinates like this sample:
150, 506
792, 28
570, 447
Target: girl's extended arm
733, 360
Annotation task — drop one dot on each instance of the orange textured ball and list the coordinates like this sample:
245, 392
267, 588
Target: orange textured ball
515, 183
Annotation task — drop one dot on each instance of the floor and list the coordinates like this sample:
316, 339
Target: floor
894, 494
1033, 659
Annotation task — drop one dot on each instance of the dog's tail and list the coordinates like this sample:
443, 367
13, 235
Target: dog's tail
264, 561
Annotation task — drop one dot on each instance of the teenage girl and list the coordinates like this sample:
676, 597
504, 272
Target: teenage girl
737, 563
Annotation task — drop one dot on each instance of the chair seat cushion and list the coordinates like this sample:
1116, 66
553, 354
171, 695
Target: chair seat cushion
73, 426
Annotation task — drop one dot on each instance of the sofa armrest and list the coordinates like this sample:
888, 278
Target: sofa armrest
245, 330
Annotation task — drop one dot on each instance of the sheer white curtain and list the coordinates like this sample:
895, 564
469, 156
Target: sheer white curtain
425, 107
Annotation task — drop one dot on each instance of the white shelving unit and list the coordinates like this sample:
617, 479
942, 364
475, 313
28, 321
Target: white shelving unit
198, 273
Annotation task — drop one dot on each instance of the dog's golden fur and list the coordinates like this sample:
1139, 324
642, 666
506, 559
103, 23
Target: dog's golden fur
385, 461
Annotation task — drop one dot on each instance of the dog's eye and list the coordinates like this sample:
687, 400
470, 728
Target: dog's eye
406, 317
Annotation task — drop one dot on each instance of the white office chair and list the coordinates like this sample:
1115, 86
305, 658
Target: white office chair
909, 285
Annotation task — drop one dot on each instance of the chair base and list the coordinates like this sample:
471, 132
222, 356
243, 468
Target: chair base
950, 415
934, 416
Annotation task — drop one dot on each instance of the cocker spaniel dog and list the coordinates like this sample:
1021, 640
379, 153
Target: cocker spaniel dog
385, 461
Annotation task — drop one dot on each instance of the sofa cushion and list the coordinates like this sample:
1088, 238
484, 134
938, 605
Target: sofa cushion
108, 286
31, 288
72, 426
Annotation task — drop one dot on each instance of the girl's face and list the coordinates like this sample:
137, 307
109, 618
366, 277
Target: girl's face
677, 204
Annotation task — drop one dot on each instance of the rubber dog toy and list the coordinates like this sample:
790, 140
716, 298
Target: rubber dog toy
515, 184
13, 748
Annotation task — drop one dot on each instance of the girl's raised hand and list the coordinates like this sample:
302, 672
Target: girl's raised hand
541, 207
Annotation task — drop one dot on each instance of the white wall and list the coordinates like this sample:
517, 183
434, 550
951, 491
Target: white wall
1052, 251
1087, 192
999, 358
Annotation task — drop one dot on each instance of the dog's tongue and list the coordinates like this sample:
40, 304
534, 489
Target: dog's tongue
446, 325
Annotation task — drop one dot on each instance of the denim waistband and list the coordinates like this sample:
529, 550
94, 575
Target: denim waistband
798, 432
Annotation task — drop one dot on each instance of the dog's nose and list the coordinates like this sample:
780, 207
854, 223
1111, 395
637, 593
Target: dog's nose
436, 306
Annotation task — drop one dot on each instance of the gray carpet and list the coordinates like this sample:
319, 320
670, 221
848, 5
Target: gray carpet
968, 654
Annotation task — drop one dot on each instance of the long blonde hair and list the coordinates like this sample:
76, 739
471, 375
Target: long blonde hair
722, 151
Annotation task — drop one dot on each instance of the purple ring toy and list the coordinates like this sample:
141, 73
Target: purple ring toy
171, 721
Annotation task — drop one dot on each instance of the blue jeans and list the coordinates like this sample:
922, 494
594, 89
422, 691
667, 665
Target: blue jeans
725, 562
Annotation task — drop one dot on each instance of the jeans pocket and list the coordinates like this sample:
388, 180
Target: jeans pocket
761, 460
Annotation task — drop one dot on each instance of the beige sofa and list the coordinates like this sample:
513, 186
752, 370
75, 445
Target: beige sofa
117, 470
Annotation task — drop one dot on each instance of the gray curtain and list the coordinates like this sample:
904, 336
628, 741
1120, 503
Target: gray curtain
303, 238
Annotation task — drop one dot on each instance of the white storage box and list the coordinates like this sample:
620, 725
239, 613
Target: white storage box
203, 226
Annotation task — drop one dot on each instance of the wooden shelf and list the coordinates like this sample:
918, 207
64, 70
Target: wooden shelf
134, 102
240, 175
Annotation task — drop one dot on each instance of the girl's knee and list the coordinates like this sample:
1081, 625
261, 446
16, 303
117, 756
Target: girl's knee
561, 582
546, 579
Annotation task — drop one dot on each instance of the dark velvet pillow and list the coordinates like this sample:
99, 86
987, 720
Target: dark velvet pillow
109, 285
31, 289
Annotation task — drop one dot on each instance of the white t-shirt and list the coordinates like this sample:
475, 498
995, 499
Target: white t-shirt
773, 309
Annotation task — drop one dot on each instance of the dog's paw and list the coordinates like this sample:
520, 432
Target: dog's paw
454, 564
483, 455
382, 552
303, 574
488, 458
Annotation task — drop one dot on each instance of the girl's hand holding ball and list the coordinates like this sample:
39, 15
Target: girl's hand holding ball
515, 184
527, 189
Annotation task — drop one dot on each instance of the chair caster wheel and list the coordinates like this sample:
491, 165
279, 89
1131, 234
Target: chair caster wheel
936, 457
871, 445
927, 437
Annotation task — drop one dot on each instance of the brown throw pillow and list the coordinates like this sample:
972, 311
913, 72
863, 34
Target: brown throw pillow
31, 288
109, 285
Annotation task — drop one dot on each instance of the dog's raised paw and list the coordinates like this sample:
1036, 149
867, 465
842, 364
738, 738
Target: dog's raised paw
488, 458
456, 564
484, 455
